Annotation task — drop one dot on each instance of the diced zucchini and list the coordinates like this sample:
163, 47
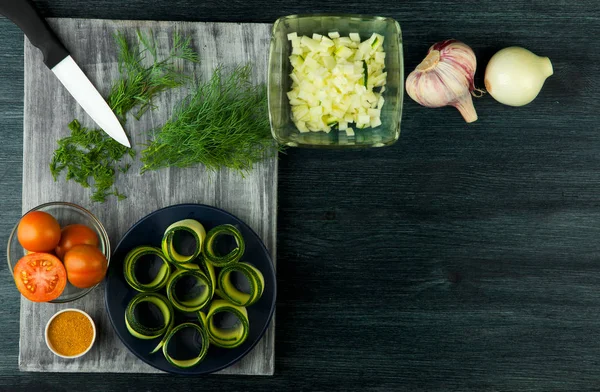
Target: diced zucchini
344, 41
343, 52
328, 62
301, 125
374, 113
310, 43
327, 42
292, 94
296, 60
311, 63
333, 80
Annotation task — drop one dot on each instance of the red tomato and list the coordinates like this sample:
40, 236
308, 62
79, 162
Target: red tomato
38, 231
40, 277
86, 266
75, 235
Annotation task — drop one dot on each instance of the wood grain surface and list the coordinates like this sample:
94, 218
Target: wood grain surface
252, 198
462, 258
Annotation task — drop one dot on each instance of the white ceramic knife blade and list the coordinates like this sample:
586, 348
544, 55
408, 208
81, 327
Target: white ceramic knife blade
84, 92
58, 59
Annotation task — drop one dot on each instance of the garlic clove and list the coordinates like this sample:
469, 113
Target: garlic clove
515, 76
466, 108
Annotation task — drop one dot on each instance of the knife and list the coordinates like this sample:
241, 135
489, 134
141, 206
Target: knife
58, 59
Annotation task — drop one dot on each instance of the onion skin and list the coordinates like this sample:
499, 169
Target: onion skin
445, 78
514, 76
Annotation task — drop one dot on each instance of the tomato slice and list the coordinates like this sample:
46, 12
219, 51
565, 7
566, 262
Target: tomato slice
40, 277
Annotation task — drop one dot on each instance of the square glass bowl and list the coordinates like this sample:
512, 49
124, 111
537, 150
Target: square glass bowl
279, 82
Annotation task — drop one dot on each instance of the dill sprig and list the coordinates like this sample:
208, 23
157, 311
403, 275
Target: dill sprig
222, 123
88, 153
92, 158
141, 83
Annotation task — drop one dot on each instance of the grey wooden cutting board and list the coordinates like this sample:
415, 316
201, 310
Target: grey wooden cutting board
48, 108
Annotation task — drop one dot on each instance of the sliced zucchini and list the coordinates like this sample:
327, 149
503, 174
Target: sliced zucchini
193, 227
141, 331
164, 339
202, 319
227, 337
188, 266
231, 293
209, 271
130, 262
211, 255
193, 304
187, 363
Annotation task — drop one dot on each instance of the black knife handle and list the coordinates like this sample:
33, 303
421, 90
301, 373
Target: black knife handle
26, 17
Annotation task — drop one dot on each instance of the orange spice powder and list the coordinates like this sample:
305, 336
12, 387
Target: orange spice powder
70, 333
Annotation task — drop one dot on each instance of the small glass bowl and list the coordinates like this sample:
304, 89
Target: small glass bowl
72, 356
65, 214
279, 82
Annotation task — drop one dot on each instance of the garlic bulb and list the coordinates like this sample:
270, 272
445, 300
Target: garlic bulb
514, 76
445, 77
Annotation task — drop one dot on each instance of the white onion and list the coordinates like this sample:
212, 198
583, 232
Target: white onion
514, 76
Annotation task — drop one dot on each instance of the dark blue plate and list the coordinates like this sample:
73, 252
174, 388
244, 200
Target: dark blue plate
149, 231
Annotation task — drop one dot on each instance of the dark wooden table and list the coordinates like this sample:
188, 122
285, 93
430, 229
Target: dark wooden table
464, 257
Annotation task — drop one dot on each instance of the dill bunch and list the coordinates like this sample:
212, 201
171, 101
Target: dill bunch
88, 153
223, 123
92, 158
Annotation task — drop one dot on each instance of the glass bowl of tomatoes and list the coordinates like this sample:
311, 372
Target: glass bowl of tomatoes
58, 252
